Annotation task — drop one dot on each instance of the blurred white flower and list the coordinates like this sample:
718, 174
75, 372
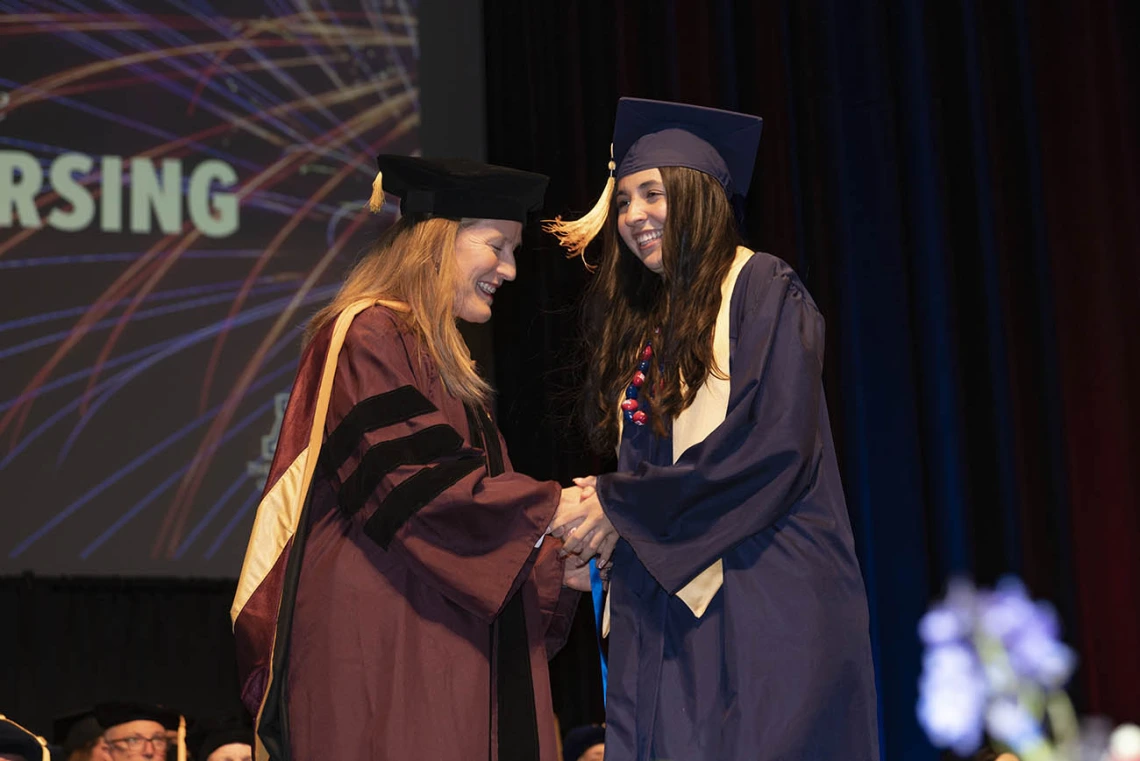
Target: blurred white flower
1124, 743
952, 698
994, 663
942, 625
1006, 610
1041, 657
1009, 721
1000, 678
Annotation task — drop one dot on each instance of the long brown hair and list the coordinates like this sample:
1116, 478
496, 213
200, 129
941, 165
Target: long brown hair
625, 302
413, 262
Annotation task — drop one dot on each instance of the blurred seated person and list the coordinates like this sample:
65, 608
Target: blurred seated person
20, 744
222, 740
585, 743
136, 731
80, 737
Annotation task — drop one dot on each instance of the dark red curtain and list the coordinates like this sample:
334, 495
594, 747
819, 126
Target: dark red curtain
1087, 80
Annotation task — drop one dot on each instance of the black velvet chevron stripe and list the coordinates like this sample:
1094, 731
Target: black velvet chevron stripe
375, 412
412, 494
485, 436
420, 448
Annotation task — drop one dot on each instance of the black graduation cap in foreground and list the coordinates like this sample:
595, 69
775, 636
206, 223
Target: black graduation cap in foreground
207, 736
75, 730
581, 739
456, 188
112, 714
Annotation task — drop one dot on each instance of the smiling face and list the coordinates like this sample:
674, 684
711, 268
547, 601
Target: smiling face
641, 211
484, 260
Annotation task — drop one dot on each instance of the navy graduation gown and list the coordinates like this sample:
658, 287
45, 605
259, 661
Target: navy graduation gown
779, 665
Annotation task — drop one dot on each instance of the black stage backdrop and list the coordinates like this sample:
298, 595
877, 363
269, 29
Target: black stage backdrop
69, 643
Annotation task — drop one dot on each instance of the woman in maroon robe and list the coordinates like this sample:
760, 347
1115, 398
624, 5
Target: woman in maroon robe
398, 598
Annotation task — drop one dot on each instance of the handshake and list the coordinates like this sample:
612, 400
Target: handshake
585, 532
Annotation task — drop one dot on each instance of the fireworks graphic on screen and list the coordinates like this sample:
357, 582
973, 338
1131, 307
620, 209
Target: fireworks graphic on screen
181, 186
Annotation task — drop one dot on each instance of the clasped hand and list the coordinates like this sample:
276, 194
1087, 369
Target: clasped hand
585, 532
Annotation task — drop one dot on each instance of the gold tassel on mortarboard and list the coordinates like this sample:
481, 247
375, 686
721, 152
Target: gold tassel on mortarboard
181, 738
575, 236
376, 202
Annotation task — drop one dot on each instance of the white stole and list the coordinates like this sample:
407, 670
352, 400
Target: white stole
697, 421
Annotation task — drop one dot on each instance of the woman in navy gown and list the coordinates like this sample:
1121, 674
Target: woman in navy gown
738, 624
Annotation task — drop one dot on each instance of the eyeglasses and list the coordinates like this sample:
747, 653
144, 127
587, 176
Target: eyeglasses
136, 743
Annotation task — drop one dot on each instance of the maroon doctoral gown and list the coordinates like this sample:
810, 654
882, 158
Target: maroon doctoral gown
393, 603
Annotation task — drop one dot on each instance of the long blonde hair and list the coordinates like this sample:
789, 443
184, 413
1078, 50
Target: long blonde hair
413, 262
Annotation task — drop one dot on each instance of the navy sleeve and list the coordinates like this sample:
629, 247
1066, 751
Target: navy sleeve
751, 469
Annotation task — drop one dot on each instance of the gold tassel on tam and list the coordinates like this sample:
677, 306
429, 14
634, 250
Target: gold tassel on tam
376, 202
575, 236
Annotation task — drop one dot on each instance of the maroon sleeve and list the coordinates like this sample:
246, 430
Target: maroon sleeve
409, 475
556, 602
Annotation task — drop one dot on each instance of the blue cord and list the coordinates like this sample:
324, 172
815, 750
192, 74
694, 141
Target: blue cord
599, 595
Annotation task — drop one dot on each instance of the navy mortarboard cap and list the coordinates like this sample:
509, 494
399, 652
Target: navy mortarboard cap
654, 133
581, 739
456, 188
649, 134
208, 736
75, 730
17, 741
